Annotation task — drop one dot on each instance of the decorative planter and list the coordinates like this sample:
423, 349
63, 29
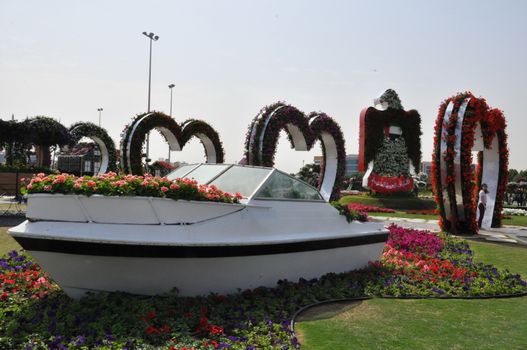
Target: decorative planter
123, 210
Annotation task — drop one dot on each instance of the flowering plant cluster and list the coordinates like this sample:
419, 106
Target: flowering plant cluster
90, 130
134, 135
419, 263
350, 213
390, 184
374, 126
493, 124
369, 208
112, 184
263, 133
514, 212
414, 263
21, 279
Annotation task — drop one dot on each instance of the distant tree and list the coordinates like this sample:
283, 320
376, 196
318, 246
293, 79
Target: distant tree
522, 176
309, 173
513, 173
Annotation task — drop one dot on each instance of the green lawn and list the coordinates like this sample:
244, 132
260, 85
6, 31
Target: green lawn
515, 220
6, 242
430, 324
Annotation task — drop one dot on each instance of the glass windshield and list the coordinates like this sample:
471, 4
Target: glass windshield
241, 179
179, 172
206, 172
282, 186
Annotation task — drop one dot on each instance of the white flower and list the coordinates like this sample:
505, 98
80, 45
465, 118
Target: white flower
517, 212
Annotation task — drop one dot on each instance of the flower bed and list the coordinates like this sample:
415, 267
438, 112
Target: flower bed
111, 184
514, 212
423, 212
369, 208
35, 314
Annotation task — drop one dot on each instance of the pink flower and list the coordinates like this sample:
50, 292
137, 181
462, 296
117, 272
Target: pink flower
174, 186
30, 187
41, 175
164, 188
47, 188
91, 183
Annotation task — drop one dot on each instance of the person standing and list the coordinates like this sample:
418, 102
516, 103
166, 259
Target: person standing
482, 203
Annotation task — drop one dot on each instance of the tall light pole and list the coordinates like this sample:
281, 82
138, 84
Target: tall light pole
152, 37
171, 86
99, 110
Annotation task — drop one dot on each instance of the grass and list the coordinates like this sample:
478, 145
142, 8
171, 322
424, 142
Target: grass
515, 221
432, 323
7, 243
398, 203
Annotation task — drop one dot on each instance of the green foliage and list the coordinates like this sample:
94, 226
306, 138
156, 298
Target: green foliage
408, 121
392, 158
350, 214
4, 168
309, 173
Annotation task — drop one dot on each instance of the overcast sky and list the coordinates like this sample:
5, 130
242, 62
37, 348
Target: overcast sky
65, 59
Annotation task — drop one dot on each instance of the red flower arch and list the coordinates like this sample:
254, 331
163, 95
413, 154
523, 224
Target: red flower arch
466, 124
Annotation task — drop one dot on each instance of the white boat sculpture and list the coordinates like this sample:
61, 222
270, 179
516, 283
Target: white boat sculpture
282, 229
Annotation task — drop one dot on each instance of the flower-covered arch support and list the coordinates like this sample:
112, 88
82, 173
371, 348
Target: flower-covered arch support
177, 136
135, 133
208, 137
102, 140
302, 132
466, 124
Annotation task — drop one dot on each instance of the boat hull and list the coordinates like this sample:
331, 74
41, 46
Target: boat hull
150, 246
78, 273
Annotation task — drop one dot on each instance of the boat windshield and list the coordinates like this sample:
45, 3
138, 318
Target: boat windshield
241, 179
267, 183
181, 171
206, 172
281, 186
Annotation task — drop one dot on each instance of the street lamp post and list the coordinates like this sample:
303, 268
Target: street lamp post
99, 110
152, 37
171, 86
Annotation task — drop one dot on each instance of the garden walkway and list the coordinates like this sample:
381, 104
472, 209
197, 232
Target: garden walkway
506, 234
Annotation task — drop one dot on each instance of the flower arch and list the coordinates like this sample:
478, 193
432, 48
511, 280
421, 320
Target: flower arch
466, 124
302, 132
134, 135
101, 138
208, 137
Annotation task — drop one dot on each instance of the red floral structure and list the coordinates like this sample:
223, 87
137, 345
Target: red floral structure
375, 126
465, 124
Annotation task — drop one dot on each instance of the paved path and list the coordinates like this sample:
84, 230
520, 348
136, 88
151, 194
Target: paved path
506, 234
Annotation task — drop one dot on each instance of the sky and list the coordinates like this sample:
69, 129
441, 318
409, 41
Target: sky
228, 59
